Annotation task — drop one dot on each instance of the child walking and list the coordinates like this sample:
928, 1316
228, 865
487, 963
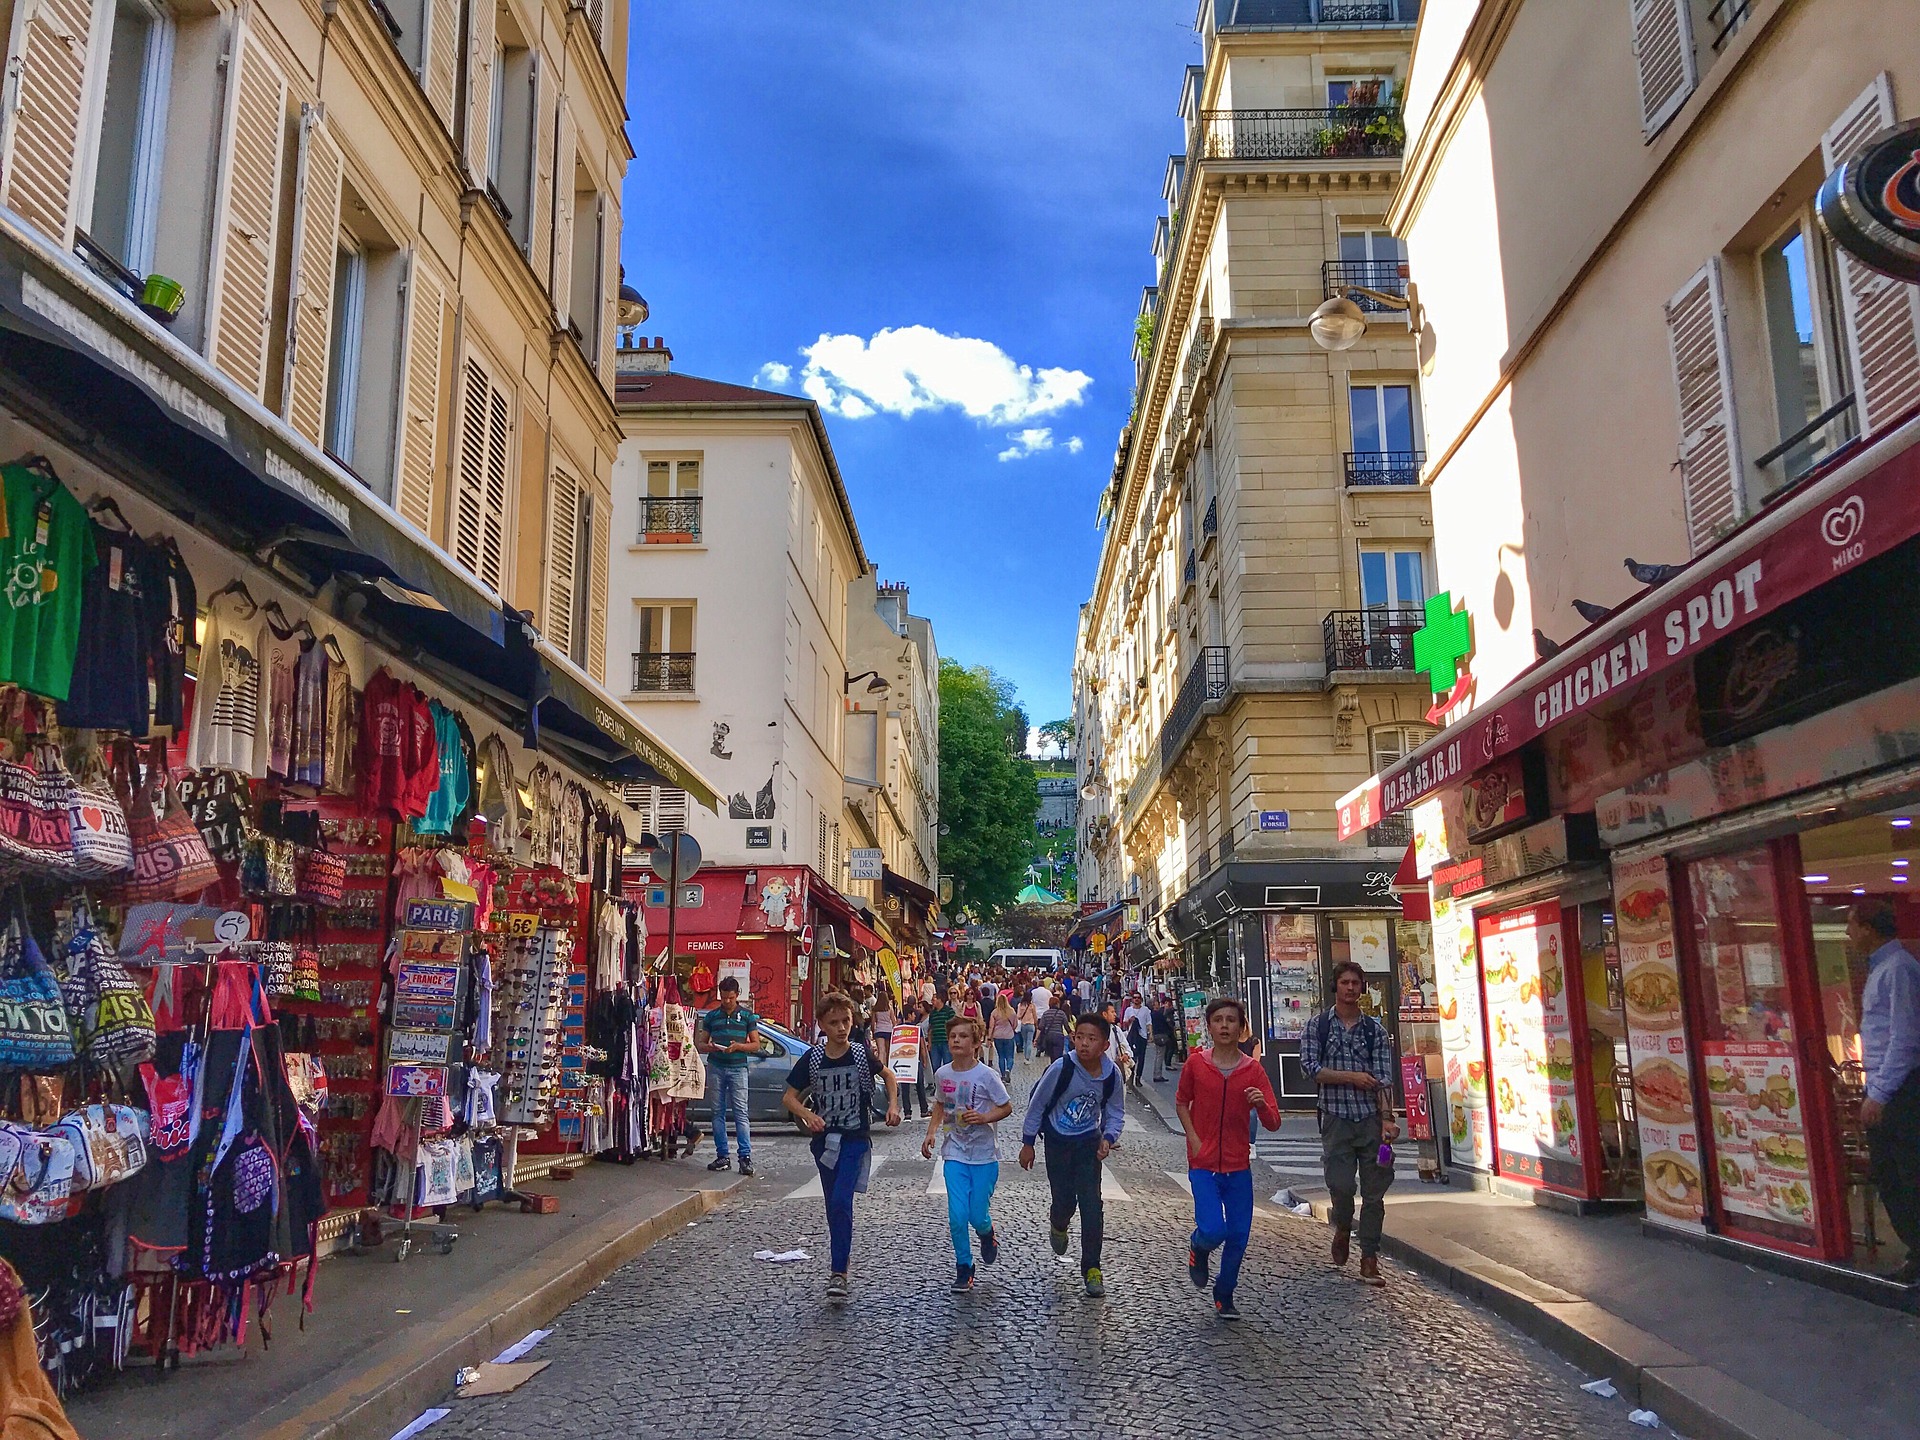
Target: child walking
1079, 1106
970, 1099
836, 1076
1216, 1093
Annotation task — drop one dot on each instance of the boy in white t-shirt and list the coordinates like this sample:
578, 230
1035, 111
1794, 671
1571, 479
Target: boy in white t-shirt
969, 1099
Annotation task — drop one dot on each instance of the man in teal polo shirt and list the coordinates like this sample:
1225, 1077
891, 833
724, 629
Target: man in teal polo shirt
729, 1037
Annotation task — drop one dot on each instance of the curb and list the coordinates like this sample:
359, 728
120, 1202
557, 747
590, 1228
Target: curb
1696, 1399
377, 1400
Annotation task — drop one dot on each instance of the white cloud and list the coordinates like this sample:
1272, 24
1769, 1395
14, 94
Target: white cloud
1076, 445
915, 368
1027, 442
773, 373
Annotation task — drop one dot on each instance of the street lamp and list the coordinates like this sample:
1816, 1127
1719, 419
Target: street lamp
1339, 323
874, 686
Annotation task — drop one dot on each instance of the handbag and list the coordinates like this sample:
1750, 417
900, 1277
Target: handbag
96, 820
170, 858
34, 1031
323, 876
36, 830
283, 867
109, 1144
40, 1189
112, 1022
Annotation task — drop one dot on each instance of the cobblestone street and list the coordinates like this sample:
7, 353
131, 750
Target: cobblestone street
697, 1338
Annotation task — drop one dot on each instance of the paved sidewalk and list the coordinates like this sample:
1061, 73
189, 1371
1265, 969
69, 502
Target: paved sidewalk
384, 1338
1717, 1348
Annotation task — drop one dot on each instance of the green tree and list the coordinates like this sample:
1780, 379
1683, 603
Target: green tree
1059, 734
987, 795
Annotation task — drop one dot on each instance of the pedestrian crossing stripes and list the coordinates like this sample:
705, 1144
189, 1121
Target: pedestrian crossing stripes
1110, 1186
812, 1191
1299, 1155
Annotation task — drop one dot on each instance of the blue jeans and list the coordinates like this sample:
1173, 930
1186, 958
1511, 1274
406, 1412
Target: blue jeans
730, 1099
1026, 1039
939, 1054
1004, 1049
838, 1184
1223, 1219
969, 1202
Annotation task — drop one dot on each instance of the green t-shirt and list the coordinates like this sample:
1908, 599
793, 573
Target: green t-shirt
44, 559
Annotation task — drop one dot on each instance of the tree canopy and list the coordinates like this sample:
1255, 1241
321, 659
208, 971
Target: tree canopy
987, 794
1059, 734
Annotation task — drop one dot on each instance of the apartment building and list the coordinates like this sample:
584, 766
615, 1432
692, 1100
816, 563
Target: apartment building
1674, 435
1246, 650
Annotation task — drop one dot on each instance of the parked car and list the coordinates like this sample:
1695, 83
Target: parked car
780, 1051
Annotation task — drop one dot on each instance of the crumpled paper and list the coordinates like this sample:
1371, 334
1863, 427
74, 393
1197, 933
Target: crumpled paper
1644, 1418
1602, 1387
781, 1257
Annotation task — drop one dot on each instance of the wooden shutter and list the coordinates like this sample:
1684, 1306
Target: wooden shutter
420, 407
481, 38
46, 79
1710, 467
1663, 51
1882, 315
597, 540
669, 808
607, 282
241, 302
439, 58
316, 244
477, 536
563, 521
561, 288
540, 211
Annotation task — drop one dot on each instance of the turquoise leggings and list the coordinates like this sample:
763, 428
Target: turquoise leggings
969, 1203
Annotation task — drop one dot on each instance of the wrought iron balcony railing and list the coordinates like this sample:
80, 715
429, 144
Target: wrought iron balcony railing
1206, 681
1357, 12
1376, 639
1384, 467
1210, 522
1191, 573
663, 672
1340, 132
1395, 832
1389, 277
667, 519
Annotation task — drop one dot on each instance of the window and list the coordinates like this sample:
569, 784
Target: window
585, 279
663, 647
1375, 247
662, 808
343, 364
1390, 744
511, 138
1393, 579
1382, 417
1361, 90
364, 378
1808, 362
569, 566
120, 214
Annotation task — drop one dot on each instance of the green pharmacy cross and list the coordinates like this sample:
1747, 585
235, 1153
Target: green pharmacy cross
1443, 644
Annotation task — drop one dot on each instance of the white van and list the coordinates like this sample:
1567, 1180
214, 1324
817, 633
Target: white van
1046, 960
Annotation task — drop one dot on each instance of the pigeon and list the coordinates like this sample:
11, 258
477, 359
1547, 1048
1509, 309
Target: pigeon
1544, 648
1651, 574
1591, 613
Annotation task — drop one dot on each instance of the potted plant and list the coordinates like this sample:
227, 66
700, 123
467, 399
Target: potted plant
161, 298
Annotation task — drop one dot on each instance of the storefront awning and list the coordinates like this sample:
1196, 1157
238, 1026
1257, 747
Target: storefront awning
893, 882
1098, 920
1866, 506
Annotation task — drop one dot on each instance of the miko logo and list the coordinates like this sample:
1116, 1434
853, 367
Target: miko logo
1840, 527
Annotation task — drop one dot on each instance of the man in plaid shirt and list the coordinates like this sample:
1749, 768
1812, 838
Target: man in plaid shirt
1348, 1054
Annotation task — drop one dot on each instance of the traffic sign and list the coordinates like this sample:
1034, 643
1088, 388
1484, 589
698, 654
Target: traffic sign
677, 847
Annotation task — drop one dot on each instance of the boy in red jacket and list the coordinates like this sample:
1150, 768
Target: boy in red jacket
1216, 1094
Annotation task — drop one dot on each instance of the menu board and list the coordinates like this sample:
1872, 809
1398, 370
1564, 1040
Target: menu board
1530, 1044
1759, 1138
1462, 1042
1193, 1013
1657, 1044
1293, 968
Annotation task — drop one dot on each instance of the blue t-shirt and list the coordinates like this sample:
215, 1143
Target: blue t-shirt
724, 1030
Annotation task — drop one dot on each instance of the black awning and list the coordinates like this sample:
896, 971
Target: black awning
892, 880
1087, 924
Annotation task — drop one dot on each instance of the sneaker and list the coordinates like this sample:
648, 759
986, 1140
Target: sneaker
1370, 1270
1096, 1284
1224, 1307
723, 1163
962, 1279
1342, 1239
746, 1165
989, 1248
837, 1290
1199, 1267
1058, 1240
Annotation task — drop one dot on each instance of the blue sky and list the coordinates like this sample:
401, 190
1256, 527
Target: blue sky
950, 205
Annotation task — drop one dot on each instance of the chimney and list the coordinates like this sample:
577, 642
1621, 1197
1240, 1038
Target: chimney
637, 355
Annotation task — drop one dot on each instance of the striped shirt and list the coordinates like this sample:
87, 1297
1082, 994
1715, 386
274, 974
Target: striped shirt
724, 1030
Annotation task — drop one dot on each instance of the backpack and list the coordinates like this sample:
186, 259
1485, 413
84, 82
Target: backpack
1109, 1082
862, 1066
1323, 1028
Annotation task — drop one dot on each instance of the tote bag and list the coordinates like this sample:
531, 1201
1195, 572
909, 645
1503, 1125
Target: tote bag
170, 857
34, 1030
112, 1022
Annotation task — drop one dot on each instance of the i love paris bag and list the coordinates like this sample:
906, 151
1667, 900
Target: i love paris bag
101, 845
170, 857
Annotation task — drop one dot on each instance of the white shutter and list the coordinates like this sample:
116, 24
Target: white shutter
316, 244
46, 83
480, 58
241, 300
1882, 314
439, 57
477, 536
563, 519
607, 281
670, 809
1710, 466
596, 591
1663, 51
561, 288
420, 407
540, 211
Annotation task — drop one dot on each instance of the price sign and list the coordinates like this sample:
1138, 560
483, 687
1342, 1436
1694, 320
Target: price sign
518, 924
232, 927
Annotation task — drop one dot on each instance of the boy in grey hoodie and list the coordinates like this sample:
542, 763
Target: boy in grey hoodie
1079, 1106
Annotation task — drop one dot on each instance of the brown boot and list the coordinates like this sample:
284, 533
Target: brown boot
1370, 1270
1342, 1238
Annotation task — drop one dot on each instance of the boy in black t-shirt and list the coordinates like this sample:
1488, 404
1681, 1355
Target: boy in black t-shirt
829, 1092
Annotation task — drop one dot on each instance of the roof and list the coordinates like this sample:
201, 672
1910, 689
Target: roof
640, 391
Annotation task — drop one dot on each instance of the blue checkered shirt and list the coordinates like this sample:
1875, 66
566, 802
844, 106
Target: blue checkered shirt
1363, 1047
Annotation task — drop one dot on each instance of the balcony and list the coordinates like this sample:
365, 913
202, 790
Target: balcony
669, 520
1206, 681
1375, 639
1190, 574
663, 673
1210, 522
1389, 277
1384, 467
1340, 132
1393, 833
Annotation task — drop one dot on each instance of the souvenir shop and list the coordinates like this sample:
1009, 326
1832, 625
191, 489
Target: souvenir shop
1643, 890
314, 926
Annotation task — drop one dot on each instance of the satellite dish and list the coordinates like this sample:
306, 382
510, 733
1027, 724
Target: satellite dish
676, 857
